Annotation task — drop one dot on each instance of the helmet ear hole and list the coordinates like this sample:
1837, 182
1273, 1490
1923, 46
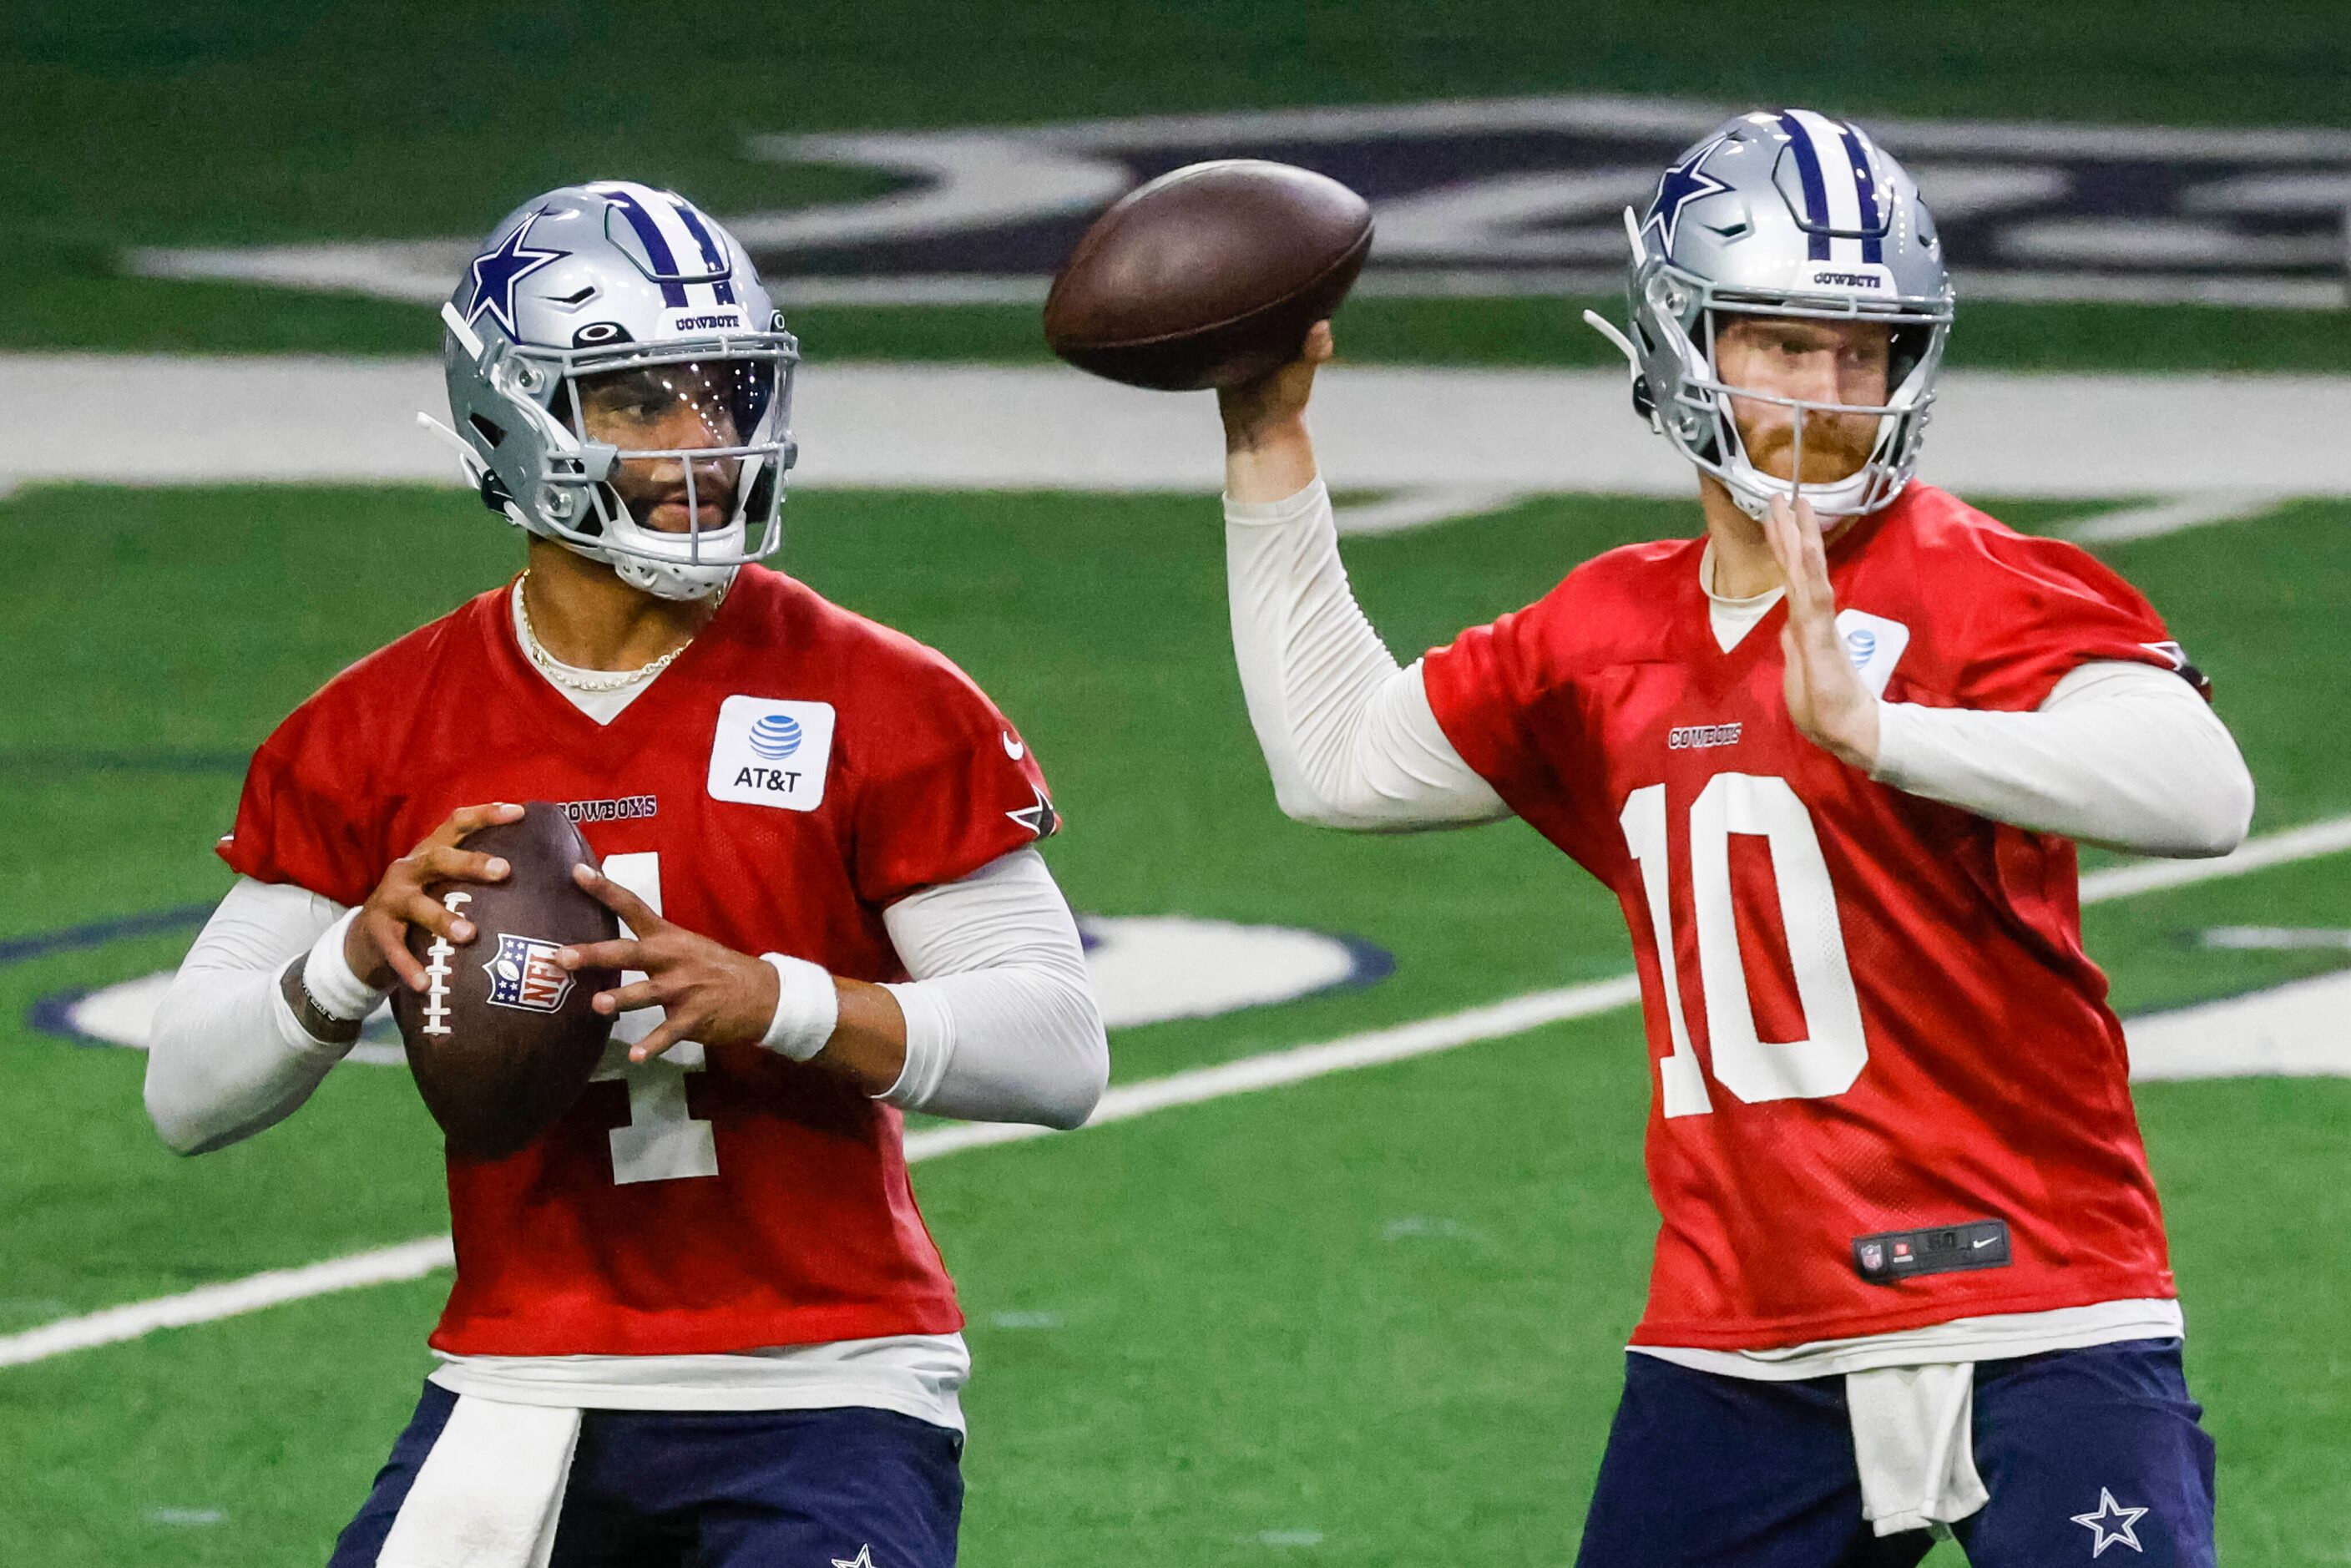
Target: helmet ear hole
486, 430
1908, 349
591, 521
761, 499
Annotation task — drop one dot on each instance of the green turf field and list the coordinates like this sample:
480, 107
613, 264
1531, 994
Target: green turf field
1375, 1319
1372, 1320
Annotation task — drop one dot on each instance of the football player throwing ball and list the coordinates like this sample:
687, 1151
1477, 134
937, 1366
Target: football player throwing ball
698, 1319
1832, 755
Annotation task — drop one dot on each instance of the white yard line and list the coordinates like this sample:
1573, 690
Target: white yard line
1296, 1064
1043, 427
384, 1266
2171, 516
1403, 511
2326, 838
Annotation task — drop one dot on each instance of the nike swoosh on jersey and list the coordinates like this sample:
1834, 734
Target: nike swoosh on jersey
1013, 748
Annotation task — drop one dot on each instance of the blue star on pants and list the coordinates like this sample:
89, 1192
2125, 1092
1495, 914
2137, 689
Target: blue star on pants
1683, 183
496, 272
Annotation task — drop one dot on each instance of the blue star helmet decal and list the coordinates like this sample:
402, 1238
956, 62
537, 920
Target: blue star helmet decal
496, 272
1683, 183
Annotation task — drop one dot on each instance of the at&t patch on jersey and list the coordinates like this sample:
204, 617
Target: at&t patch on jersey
1874, 645
771, 753
524, 975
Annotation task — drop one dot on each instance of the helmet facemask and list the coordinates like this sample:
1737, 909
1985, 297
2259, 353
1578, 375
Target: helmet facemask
715, 411
1689, 314
698, 445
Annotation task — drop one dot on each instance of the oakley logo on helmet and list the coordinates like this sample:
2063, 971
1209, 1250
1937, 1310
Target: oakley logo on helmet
599, 334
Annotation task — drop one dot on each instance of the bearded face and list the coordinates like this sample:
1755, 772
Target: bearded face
1814, 361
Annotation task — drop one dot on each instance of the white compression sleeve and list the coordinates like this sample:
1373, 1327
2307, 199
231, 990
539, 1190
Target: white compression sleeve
1001, 1021
227, 1057
1349, 737
2121, 754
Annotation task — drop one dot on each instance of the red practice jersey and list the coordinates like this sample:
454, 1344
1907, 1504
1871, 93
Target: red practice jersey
1870, 1013
795, 770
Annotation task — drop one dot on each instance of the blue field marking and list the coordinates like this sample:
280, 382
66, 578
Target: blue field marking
97, 932
53, 1014
64, 760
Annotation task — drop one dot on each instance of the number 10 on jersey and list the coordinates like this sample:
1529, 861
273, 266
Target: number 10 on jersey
1834, 1051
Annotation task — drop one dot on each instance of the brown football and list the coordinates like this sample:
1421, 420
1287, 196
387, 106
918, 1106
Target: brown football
504, 1040
1209, 276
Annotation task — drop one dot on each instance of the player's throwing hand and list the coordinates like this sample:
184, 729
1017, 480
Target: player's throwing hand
706, 990
1825, 697
375, 944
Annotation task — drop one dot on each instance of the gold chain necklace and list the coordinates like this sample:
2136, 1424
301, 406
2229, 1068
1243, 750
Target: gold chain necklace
564, 675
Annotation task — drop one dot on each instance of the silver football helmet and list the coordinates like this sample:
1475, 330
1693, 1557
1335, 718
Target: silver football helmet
1783, 214
619, 284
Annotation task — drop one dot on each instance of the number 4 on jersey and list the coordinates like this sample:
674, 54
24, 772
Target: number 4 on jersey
663, 1141
1825, 1063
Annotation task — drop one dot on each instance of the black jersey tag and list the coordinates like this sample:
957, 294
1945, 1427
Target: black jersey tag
1895, 1255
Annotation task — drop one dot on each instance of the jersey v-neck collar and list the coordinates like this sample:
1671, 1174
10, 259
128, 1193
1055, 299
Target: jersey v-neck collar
1730, 620
603, 706
506, 633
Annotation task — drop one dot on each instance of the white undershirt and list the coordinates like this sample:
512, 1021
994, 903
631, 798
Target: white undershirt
1001, 1025
2122, 754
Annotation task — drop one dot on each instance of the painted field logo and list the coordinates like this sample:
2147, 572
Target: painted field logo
524, 975
1485, 197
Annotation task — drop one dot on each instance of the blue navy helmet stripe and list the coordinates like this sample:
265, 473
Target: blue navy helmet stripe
1843, 221
1872, 219
1817, 191
656, 245
722, 291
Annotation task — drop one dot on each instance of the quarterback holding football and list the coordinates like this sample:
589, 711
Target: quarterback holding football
698, 1319
1831, 756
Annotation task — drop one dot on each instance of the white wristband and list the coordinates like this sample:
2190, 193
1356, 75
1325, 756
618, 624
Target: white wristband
327, 974
808, 1007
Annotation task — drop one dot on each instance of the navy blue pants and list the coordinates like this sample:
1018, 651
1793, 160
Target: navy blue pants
677, 1489
2088, 1455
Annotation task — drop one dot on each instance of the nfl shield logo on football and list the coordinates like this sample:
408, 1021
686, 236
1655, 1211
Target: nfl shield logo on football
1873, 1255
523, 974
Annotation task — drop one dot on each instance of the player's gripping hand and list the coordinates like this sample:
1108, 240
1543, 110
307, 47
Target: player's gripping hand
707, 991
376, 944
1268, 457
1825, 697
